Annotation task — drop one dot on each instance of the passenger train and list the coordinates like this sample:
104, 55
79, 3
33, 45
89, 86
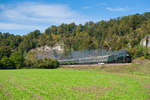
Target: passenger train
121, 56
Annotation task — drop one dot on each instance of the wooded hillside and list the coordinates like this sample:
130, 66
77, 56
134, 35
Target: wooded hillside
119, 33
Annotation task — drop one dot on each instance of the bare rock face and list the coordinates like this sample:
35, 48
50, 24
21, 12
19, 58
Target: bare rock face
146, 41
54, 52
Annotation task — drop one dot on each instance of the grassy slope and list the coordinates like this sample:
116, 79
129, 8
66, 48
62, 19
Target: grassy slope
105, 83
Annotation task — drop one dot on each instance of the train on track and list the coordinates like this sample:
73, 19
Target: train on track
96, 57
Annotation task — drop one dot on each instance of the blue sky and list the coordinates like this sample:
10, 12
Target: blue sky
24, 16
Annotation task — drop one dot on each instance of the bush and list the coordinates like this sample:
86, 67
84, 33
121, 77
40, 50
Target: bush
48, 63
6, 63
42, 63
1, 65
138, 51
18, 59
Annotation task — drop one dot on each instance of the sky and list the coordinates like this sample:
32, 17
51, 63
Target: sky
24, 16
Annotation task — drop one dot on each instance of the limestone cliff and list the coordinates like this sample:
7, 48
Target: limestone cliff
54, 52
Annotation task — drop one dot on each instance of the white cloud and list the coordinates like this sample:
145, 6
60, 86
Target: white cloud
46, 10
12, 26
38, 12
116, 9
24, 16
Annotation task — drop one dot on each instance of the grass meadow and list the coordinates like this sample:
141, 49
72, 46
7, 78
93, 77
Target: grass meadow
130, 82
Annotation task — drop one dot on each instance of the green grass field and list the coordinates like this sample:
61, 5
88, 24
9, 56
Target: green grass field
106, 83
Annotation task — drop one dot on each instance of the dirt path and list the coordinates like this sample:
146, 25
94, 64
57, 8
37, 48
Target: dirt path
93, 66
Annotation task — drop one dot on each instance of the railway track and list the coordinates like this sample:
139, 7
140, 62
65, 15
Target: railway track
82, 65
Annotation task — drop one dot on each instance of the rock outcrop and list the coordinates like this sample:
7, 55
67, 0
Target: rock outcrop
54, 52
145, 41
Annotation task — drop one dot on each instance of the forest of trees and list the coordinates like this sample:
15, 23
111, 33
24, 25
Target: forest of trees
115, 34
